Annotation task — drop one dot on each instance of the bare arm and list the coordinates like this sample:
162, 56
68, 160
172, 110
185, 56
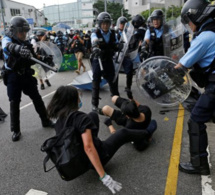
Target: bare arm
92, 153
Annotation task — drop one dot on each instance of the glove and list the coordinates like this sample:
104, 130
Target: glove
113, 186
107, 122
24, 52
120, 46
96, 52
47, 59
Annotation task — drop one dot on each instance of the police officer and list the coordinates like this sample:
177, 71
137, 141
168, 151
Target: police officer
200, 56
18, 74
153, 36
138, 22
127, 62
60, 41
104, 44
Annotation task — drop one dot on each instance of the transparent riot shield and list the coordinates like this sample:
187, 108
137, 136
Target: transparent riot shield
159, 81
133, 47
173, 39
125, 39
53, 57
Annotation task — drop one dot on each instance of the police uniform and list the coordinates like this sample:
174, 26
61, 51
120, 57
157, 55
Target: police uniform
201, 57
18, 78
156, 41
107, 44
127, 65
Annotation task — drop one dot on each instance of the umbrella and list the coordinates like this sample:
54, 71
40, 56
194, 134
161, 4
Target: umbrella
84, 81
62, 25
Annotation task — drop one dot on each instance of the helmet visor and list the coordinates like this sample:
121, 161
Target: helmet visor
185, 19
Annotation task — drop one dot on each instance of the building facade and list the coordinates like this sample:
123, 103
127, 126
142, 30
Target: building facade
78, 14
12, 8
135, 7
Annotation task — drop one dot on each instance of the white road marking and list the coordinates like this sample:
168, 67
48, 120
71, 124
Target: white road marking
207, 181
36, 192
32, 103
25, 106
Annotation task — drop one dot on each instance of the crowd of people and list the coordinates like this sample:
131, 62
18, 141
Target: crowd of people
103, 44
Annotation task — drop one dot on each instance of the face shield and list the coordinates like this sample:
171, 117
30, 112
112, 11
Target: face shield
185, 20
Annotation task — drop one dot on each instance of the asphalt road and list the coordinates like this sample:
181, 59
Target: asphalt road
141, 173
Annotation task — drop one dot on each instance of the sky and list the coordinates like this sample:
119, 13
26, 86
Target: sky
39, 3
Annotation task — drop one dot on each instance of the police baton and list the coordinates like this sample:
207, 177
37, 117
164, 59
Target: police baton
100, 64
43, 64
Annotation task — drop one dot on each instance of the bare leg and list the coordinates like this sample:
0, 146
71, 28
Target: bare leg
114, 98
112, 129
107, 110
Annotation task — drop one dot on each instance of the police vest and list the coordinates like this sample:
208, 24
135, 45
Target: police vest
15, 62
107, 49
202, 75
157, 43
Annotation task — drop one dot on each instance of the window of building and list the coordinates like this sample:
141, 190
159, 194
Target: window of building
144, 2
14, 12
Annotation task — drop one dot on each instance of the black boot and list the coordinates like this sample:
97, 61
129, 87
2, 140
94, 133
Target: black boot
41, 110
203, 169
14, 120
198, 144
128, 81
95, 95
114, 88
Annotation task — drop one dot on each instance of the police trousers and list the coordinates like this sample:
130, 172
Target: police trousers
203, 112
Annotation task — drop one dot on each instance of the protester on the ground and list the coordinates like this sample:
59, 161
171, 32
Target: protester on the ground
132, 115
66, 100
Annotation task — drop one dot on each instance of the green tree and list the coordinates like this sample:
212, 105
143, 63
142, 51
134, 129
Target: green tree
171, 13
114, 9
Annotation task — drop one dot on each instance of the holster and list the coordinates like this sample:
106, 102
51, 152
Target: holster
4, 75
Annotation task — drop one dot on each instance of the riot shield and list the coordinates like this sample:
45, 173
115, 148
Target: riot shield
158, 80
133, 47
49, 49
125, 39
173, 39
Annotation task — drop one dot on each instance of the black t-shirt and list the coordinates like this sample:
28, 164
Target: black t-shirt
131, 124
81, 121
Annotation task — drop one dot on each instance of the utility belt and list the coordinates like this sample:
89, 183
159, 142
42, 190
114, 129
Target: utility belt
21, 72
201, 77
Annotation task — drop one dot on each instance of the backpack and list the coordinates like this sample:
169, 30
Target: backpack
66, 152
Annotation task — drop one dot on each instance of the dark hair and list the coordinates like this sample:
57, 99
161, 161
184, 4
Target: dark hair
63, 102
130, 109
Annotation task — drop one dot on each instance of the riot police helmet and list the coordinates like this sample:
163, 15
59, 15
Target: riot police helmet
59, 33
121, 20
138, 21
18, 24
104, 17
76, 31
157, 14
196, 11
40, 33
